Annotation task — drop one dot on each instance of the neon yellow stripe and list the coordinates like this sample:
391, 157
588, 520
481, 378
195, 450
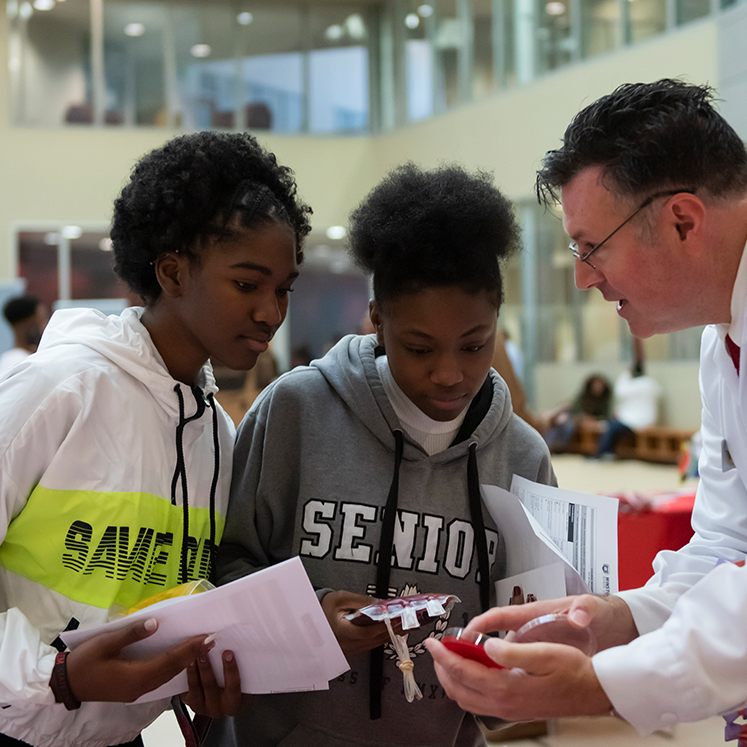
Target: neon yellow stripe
105, 548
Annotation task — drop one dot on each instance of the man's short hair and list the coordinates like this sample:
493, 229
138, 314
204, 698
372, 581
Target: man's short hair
649, 137
20, 308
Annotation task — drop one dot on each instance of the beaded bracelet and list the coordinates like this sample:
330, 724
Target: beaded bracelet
59, 684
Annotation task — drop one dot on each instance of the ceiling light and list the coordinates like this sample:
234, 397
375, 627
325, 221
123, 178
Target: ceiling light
26, 11
43, 4
412, 20
71, 232
555, 8
105, 245
52, 238
355, 26
245, 18
334, 32
336, 232
426, 11
200, 50
134, 29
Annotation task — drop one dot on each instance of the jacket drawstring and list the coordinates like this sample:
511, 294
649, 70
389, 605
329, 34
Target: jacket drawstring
180, 472
475, 509
384, 566
214, 483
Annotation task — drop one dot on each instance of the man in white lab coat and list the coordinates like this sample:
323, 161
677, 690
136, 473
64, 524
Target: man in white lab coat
653, 184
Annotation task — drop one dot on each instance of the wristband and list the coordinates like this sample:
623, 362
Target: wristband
59, 684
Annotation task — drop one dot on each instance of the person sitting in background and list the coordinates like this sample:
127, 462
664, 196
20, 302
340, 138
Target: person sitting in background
28, 317
593, 403
636, 403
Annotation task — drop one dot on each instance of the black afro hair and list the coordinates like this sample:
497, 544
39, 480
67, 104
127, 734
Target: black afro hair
418, 229
190, 189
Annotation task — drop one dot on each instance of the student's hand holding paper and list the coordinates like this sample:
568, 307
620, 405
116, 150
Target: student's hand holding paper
609, 618
540, 680
206, 697
352, 637
97, 670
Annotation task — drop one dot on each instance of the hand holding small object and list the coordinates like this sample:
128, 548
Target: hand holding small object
353, 638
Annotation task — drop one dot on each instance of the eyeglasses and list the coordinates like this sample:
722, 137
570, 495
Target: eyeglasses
573, 246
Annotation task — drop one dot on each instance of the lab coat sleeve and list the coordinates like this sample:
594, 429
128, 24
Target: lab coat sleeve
719, 517
693, 667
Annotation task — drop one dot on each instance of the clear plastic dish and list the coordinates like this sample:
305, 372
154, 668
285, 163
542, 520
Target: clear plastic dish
555, 628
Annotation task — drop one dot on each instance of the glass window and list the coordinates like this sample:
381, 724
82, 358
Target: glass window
600, 29
134, 44
646, 18
338, 69
554, 39
690, 10
272, 67
449, 38
50, 63
483, 38
419, 60
37, 264
206, 68
78, 269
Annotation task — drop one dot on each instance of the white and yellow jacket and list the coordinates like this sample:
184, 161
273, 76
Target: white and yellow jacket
114, 482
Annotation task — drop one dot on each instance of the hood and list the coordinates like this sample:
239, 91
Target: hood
125, 342
350, 369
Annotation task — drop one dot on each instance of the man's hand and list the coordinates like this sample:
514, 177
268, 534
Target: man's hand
205, 696
96, 670
609, 618
353, 638
541, 680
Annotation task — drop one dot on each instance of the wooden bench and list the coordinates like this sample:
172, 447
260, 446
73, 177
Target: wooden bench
654, 444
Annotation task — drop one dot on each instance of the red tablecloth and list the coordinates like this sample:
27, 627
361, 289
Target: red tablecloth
641, 535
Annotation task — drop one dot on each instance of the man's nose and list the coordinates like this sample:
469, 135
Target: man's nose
586, 276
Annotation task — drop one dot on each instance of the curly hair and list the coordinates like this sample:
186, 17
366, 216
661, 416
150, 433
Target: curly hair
190, 189
649, 137
419, 229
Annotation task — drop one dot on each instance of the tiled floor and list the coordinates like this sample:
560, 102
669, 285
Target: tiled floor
574, 473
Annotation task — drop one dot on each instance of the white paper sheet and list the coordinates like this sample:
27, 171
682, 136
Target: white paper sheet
271, 620
527, 545
581, 525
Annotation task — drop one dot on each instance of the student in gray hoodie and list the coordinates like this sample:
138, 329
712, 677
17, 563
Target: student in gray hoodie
367, 463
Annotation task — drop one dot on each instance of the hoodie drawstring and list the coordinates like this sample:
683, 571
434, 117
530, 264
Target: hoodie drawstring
180, 472
386, 546
475, 509
383, 569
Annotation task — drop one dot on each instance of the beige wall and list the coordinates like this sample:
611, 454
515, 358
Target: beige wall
72, 175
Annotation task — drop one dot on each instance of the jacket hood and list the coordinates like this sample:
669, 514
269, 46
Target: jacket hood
351, 363
125, 342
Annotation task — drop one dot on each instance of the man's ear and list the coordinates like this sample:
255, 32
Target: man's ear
687, 212
169, 269
376, 319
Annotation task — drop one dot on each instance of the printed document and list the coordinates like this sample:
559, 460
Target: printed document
271, 620
558, 541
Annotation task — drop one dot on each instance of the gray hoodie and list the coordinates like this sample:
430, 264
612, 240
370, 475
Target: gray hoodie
313, 468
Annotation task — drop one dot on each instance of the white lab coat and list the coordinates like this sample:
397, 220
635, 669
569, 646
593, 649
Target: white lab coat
691, 659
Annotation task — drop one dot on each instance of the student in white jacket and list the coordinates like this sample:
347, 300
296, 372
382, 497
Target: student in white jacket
653, 184
115, 458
